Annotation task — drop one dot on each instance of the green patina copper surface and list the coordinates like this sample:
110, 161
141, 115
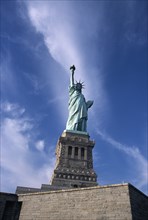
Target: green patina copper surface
78, 107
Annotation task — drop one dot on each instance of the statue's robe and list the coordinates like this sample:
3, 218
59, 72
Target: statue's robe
77, 110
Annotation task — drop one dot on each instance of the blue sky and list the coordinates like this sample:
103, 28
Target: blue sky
107, 42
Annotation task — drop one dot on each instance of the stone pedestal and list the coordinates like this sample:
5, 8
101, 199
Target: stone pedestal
74, 162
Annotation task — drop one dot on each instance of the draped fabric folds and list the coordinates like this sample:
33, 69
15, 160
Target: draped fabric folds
77, 110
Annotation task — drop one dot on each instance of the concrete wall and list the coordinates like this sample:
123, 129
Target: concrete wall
9, 206
139, 204
93, 203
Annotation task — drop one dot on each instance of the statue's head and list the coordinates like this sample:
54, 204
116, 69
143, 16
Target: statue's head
79, 86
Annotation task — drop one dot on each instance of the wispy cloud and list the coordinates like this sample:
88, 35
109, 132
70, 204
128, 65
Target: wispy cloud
11, 108
68, 38
140, 163
36, 83
135, 31
58, 38
56, 99
40, 145
8, 80
18, 158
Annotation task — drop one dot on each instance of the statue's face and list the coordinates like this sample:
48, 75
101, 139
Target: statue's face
79, 87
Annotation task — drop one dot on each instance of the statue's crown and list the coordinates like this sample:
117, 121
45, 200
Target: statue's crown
80, 83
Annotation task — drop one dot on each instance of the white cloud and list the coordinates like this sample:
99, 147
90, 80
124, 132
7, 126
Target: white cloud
40, 145
56, 31
140, 163
8, 79
56, 99
135, 25
13, 109
35, 81
67, 36
19, 163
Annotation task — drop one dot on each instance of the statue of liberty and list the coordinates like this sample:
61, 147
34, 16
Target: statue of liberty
78, 107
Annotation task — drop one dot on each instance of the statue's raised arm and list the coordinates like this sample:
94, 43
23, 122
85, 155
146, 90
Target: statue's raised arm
72, 68
78, 107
